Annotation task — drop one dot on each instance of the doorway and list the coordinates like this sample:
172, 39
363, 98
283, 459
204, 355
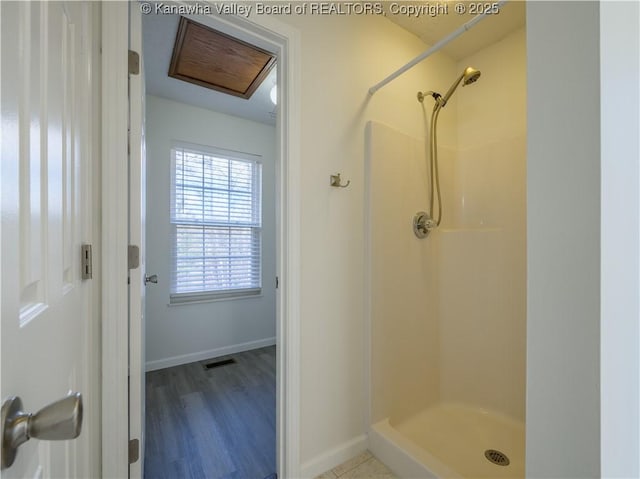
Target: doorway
122, 424
211, 256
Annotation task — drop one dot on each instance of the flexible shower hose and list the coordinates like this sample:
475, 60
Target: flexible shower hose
433, 164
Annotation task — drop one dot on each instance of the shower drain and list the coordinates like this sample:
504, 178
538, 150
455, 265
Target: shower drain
496, 457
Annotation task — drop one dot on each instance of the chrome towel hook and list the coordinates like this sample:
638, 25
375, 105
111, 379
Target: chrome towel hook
334, 180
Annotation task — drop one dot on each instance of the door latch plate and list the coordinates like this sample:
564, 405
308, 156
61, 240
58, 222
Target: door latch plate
86, 262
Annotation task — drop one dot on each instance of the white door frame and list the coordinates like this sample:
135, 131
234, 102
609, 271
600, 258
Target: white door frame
285, 41
115, 311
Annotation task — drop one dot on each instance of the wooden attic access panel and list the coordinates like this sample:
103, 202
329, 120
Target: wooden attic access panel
211, 59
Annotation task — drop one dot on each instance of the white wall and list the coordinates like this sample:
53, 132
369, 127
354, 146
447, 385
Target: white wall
620, 223
563, 238
180, 334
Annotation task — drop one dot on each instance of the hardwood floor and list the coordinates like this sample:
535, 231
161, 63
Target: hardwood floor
213, 424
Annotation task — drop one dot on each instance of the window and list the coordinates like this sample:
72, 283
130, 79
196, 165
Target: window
216, 223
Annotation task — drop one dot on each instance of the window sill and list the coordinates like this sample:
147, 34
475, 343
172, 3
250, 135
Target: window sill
196, 298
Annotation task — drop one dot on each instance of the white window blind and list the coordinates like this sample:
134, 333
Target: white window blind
217, 224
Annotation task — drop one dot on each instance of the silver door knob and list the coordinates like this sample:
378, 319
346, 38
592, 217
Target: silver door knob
151, 279
58, 421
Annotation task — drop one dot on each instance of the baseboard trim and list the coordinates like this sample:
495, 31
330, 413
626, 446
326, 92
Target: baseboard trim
334, 457
208, 354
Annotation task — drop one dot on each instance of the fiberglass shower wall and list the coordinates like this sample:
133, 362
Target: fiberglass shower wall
448, 313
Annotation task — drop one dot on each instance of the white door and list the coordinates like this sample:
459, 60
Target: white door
48, 326
137, 191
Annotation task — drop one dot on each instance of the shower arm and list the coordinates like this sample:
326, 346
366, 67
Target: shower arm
423, 95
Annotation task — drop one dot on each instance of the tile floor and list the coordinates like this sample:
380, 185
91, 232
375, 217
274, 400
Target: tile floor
362, 466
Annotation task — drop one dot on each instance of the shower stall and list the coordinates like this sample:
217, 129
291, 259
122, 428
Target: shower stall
447, 309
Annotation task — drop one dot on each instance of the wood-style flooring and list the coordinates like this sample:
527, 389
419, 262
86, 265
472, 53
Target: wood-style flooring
213, 424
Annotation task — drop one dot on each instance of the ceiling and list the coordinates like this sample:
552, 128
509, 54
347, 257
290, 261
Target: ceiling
431, 29
159, 34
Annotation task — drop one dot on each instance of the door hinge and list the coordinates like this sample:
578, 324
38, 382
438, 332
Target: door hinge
134, 450
277, 282
86, 262
134, 63
134, 256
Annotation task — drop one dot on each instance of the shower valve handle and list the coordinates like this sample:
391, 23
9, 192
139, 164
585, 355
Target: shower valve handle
423, 224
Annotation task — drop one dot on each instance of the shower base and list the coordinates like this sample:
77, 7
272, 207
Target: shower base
449, 441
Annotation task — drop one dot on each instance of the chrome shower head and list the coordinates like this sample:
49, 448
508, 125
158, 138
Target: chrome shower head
469, 75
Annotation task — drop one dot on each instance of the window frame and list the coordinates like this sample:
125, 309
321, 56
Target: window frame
176, 299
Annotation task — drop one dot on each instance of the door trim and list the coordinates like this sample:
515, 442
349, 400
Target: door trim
285, 41
115, 311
